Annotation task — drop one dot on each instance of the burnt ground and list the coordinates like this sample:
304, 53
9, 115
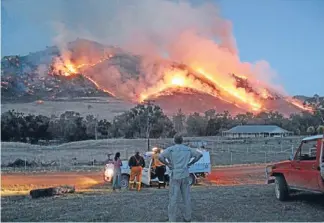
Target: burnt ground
210, 203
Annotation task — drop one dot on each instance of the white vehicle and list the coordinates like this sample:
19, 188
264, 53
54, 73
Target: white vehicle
109, 172
198, 170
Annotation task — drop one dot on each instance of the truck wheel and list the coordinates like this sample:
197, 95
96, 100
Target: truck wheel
281, 188
124, 181
192, 179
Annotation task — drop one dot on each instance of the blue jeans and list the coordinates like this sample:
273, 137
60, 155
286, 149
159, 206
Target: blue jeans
116, 179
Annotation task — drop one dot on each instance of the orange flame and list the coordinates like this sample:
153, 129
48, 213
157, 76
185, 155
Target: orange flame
181, 78
68, 69
300, 105
237, 93
177, 78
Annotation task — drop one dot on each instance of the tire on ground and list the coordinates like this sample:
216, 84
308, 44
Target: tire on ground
124, 181
281, 188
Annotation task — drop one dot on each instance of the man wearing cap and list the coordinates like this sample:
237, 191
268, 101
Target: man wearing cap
177, 158
136, 164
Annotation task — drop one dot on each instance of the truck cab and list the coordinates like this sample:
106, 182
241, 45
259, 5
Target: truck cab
304, 171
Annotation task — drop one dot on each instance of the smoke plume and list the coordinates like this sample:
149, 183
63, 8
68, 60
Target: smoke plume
157, 30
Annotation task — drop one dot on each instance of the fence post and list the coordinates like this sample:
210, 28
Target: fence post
265, 157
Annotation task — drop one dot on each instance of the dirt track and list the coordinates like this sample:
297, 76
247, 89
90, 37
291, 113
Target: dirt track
82, 180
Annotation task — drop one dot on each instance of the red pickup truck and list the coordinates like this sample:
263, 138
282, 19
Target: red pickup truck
304, 171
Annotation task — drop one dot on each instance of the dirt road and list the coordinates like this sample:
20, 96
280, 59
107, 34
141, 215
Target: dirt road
82, 180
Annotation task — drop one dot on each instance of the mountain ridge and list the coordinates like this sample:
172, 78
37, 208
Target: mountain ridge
28, 78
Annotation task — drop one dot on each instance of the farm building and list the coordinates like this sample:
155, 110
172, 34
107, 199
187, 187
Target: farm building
249, 131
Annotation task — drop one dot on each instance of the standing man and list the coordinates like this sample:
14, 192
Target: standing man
159, 167
136, 164
177, 158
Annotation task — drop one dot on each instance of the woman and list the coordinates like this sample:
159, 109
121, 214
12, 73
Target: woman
117, 171
159, 167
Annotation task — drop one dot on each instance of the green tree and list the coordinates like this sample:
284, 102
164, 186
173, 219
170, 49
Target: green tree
90, 123
72, 127
210, 114
178, 120
139, 120
196, 125
311, 130
104, 127
37, 128
214, 126
13, 126
320, 129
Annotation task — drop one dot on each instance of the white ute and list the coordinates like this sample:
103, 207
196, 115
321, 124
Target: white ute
198, 170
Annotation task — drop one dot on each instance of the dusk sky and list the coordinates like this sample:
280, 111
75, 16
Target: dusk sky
289, 34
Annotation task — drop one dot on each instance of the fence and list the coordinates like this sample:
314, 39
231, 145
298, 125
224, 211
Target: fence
93, 153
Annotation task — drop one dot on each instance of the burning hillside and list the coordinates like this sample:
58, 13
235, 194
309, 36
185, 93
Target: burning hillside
174, 85
124, 75
195, 56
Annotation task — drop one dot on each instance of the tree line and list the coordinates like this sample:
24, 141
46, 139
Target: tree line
212, 123
145, 121
71, 126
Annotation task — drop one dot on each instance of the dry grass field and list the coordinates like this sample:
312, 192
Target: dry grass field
92, 152
105, 108
210, 203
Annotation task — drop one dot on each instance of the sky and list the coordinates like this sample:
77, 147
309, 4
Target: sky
289, 34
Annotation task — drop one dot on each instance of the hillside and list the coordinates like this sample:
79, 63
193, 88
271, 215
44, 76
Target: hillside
90, 69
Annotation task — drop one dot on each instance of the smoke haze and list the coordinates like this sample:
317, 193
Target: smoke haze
195, 35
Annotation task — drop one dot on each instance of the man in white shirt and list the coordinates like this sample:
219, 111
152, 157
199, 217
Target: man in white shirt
177, 158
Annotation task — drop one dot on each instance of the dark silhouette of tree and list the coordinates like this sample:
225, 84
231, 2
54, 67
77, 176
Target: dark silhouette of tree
196, 125
179, 120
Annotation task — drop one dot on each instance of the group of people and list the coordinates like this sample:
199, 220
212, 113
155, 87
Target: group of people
178, 158
136, 163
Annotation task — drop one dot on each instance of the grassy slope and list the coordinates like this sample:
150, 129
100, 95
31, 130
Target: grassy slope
103, 107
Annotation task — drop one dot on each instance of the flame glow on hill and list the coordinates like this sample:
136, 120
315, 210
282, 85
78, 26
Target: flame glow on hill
237, 91
66, 68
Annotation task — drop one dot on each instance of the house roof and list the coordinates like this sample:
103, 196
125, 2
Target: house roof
310, 138
256, 129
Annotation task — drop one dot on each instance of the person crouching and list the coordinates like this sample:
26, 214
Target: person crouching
136, 164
